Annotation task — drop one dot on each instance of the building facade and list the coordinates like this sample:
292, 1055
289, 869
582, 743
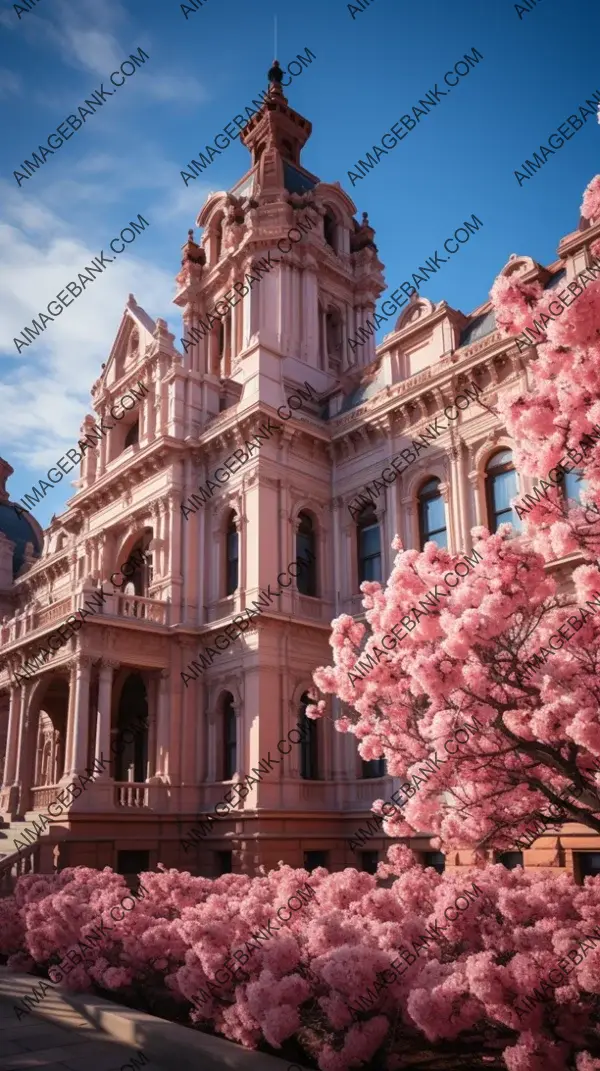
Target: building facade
242, 455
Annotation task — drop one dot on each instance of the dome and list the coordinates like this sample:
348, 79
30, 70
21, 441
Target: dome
16, 526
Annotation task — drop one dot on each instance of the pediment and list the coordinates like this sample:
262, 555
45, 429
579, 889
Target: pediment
135, 334
517, 265
419, 308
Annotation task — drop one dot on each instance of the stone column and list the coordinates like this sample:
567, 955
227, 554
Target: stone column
103, 722
81, 715
14, 717
162, 726
20, 795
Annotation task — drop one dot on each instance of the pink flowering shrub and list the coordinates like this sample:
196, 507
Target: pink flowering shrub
463, 993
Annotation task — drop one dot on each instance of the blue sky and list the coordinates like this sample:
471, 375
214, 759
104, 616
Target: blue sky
368, 72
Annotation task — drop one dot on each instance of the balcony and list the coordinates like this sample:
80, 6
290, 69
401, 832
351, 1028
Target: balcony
132, 794
44, 619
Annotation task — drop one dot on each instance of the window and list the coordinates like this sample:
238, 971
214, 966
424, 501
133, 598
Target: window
314, 859
306, 543
333, 340
587, 864
131, 862
224, 863
330, 228
572, 484
369, 545
511, 859
221, 335
229, 742
369, 861
373, 768
308, 743
437, 860
432, 515
133, 435
501, 486
231, 579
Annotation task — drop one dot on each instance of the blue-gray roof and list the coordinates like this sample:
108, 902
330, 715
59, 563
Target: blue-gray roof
19, 531
479, 328
296, 181
556, 279
363, 392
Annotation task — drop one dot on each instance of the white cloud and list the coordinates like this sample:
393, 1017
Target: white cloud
87, 36
45, 393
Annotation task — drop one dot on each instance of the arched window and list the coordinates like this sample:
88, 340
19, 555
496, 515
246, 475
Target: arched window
232, 563
306, 544
373, 768
136, 569
369, 545
432, 515
501, 486
309, 766
133, 435
229, 738
330, 229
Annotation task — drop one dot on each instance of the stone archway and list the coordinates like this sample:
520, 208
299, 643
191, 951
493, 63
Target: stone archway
44, 759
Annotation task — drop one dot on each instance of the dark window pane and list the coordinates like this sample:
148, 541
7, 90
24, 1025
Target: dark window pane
314, 859
432, 515
437, 860
369, 552
369, 861
511, 859
373, 768
309, 755
232, 559
230, 748
224, 863
501, 483
306, 543
588, 863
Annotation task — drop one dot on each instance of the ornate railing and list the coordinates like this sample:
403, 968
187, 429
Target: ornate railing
52, 613
142, 609
132, 794
43, 796
15, 865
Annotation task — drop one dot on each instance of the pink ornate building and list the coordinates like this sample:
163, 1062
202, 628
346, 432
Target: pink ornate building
123, 667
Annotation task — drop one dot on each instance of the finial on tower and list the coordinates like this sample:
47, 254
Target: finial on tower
275, 74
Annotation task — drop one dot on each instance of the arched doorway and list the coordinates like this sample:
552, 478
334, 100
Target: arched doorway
51, 734
132, 730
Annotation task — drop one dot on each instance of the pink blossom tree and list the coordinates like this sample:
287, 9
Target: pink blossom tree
481, 650
558, 419
502, 649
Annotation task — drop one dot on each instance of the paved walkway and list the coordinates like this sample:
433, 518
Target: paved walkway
70, 1044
